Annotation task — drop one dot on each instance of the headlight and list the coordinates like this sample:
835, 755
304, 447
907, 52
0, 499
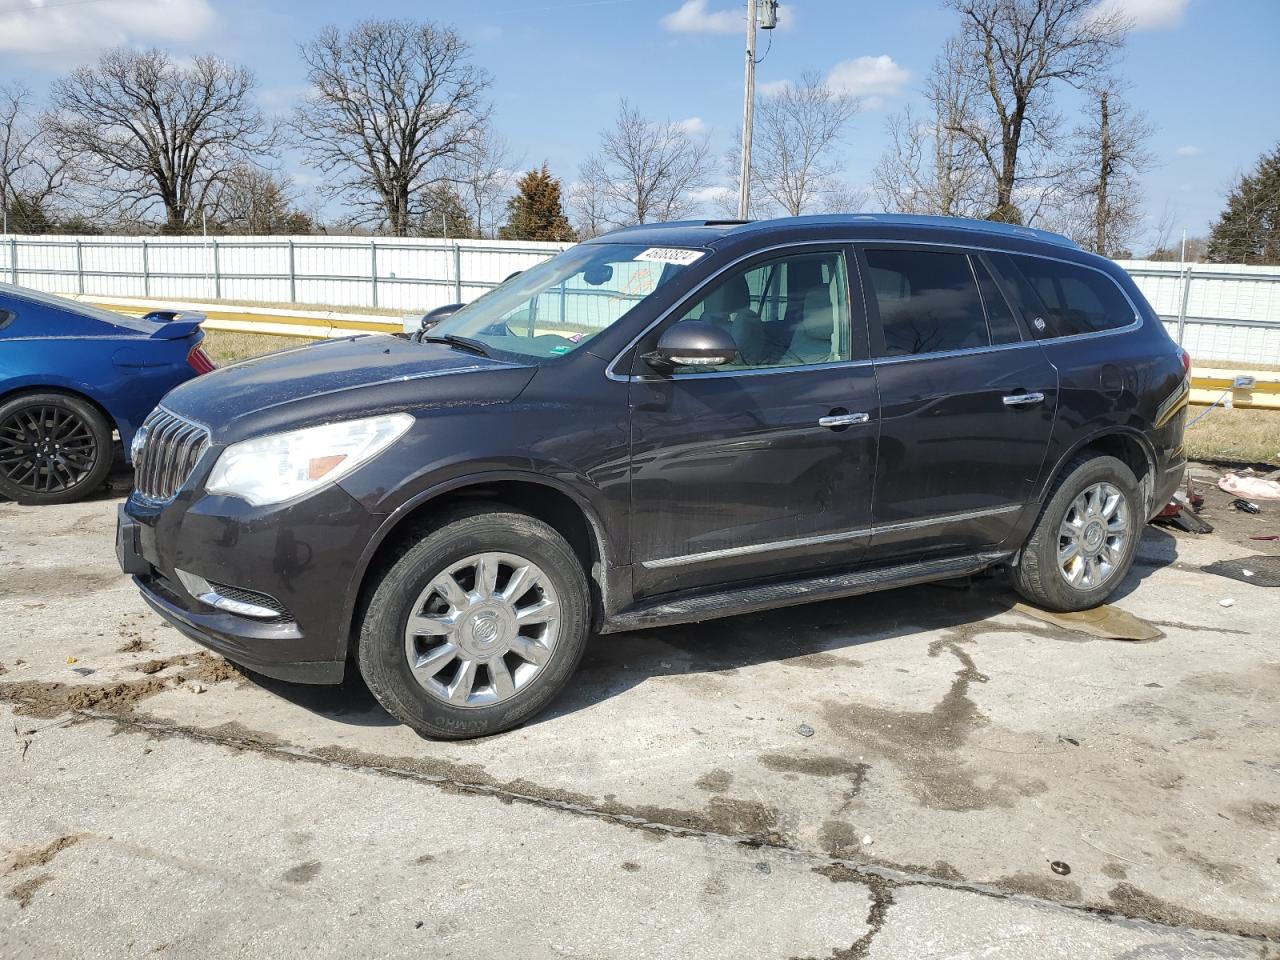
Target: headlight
282, 466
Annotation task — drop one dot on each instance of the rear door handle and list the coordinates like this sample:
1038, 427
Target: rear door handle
843, 419
1022, 399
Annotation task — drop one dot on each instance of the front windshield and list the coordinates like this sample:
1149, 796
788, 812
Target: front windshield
558, 306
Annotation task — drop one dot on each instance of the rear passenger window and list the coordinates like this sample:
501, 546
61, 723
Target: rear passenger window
1004, 328
6, 317
1076, 299
928, 302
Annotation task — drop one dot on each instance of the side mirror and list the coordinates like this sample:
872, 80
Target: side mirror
692, 343
432, 317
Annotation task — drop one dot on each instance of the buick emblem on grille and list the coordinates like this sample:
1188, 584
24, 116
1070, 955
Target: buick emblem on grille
138, 445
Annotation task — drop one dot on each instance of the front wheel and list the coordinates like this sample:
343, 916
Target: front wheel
1085, 540
475, 628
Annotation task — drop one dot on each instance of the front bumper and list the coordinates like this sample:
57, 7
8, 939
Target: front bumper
303, 555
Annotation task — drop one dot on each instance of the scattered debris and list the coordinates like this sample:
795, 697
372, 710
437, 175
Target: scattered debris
1260, 570
867, 841
1226, 602
804, 730
197, 688
1071, 740
1107, 622
1060, 867
1183, 511
1254, 488
71, 660
1245, 506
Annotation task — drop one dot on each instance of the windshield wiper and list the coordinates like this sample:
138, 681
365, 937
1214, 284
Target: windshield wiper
463, 343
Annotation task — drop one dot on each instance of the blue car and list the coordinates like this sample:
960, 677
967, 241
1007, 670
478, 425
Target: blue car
72, 378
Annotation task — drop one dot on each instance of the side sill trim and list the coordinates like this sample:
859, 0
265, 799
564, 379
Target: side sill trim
756, 597
776, 545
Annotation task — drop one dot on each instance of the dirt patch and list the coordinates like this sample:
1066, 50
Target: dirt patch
1115, 871
922, 742
136, 645
39, 699
1219, 871
1044, 887
302, 873
237, 733
28, 857
3, 670
881, 891
749, 821
1262, 813
839, 839
823, 661
43, 582
25, 892
815, 766
1133, 902
631, 867
717, 781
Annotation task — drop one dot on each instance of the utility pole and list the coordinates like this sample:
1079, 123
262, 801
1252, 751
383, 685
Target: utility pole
768, 18
748, 114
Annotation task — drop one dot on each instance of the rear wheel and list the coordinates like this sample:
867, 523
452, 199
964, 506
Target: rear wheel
1084, 542
54, 448
477, 626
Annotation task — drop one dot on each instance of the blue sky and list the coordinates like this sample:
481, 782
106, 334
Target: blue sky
1206, 72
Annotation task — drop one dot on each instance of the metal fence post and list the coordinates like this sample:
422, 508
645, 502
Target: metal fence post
217, 272
293, 276
13, 259
146, 270
1186, 296
79, 266
373, 269
457, 272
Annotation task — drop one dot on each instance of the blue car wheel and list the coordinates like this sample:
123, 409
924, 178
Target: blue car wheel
54, 448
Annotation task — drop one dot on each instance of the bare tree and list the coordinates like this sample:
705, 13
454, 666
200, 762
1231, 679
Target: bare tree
645, 171
482, 180
151, 132
31, 170
930, 167
392, 104
1109, 157
1010, 54
797, 131
255, 201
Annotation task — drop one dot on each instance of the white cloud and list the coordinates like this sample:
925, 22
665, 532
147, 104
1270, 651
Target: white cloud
692, 16
871, 78
772, 87
1188, 151
707, 195
694, 126
73, 31
1145, 14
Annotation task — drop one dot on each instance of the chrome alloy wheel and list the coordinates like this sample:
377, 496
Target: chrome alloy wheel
1094, 536
482, 629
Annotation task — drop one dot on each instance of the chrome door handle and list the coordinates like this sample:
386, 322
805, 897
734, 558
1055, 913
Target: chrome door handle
843, 419
1022, 399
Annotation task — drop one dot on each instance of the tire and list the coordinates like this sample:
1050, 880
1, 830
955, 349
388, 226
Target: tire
506, 684
1045, 572
54, 448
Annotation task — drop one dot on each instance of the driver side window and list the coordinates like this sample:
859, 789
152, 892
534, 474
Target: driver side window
791, 311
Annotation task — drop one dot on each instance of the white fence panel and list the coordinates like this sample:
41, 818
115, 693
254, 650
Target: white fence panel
1221, 312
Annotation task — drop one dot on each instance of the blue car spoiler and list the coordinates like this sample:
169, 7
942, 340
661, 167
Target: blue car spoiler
174, 324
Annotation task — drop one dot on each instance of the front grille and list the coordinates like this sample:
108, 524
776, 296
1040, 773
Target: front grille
170, 450
257, 599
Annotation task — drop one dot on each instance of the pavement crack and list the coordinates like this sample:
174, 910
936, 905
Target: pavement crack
882, 880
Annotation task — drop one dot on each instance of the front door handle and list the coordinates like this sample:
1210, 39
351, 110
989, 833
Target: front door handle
836, 420
1022, 399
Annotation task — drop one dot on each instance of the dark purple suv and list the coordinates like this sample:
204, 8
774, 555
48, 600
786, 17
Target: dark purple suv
664, 425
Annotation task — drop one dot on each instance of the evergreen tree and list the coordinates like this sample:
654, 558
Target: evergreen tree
1249, 229
536, 212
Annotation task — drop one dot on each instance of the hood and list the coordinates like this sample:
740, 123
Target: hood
341, 379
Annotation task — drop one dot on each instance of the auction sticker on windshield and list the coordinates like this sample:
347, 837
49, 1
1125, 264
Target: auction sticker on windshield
671, 255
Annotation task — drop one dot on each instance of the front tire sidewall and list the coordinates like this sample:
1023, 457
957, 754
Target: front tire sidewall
1038, 577
381, 655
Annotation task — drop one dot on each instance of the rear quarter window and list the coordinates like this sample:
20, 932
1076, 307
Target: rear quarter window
1075, 299
6, 319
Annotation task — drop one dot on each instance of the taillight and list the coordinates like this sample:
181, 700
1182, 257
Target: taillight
1186, 362
199, 361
